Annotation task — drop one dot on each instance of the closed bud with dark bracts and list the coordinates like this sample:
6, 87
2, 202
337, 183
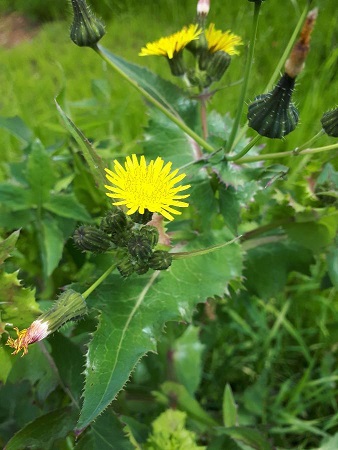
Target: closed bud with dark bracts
144, 218
86, 29
151, 234
330, 122
139, 247
92, 239
273, 114
115, 221
126, 266
160, 260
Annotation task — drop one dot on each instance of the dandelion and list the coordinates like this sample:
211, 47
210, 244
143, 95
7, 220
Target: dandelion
171, 45
141, 187
222, 41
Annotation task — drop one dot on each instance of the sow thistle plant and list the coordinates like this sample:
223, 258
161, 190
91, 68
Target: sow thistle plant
186, 198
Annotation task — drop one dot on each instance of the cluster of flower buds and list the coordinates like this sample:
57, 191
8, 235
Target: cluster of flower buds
135, 240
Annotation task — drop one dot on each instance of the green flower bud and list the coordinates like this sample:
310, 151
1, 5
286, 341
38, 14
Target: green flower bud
217, 65
273, 114
86, 29
126, 266
141, 268
139, 247
115, 221
151, 234
160, 260
141, 218
329, 122
92, 239
176, 64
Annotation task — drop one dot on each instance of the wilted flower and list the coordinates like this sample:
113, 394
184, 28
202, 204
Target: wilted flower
70, 305
141, 187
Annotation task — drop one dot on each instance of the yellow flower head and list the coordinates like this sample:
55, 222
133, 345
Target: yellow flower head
171, 45
139, 186
222, 41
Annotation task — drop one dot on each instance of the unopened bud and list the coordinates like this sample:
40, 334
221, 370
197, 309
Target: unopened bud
160, 260
126, 266
217, 65
273, 114
86, 29
330, 122
92, 239
151, 234
139, 247
203, 7
115, 221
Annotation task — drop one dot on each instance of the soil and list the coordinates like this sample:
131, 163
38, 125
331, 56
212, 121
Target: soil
14, 29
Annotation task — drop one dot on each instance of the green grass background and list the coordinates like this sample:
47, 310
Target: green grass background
34, 72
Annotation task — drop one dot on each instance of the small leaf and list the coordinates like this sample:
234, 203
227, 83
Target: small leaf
253, 438
187, 359
229, 207
105, 434
229, 408
14, 197
16, 126
8, 245
17, 304
44, 430
52, 241
67, 205
94, 162
40, 174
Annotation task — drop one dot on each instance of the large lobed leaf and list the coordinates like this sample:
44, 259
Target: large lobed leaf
133, 315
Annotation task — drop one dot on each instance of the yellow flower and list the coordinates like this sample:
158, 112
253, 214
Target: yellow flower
222, 41
171, 45
140, 187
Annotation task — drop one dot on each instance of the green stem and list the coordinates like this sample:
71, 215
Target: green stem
203, 251
99, 281
312, 140
245, 149
247, 71
279, 66
177, 120
295, 152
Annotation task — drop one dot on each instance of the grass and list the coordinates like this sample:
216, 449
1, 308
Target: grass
33, 73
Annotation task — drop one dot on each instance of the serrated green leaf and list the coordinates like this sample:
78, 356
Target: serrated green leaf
168, 94
187, 359
229, 207
67, 205
35, 367
229, 408
93, 160
52, 241
8, 245
44, 430
104, 434
69, 361
15, 197
202, 200
164, 138
17, 304
134, 313
16, 126
267, 266
40, 174
253, 438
